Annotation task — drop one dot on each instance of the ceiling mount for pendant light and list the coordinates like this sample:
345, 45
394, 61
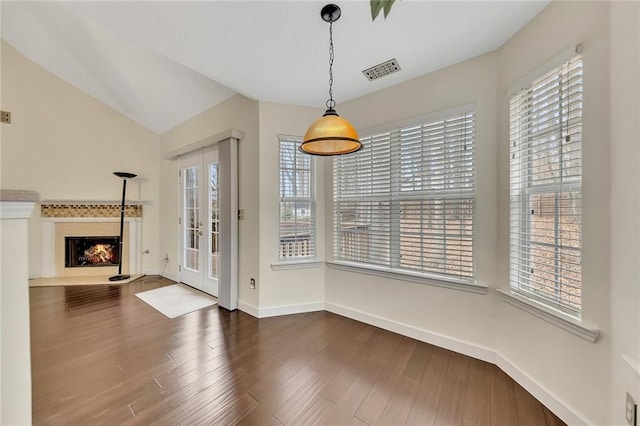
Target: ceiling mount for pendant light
331, 134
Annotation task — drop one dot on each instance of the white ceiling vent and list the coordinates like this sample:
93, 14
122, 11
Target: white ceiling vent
382, 69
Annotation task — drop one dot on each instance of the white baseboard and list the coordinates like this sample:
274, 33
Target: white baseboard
34, 275
559, 408
274, 311
170, 276
249, 309
150, 272
549, 400
440, 340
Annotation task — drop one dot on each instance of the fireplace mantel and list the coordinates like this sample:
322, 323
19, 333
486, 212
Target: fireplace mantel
58, 212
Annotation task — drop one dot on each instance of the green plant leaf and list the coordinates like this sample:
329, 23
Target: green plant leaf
376, 7
386, 4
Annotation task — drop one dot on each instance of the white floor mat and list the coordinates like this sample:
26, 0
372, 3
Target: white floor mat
175, 300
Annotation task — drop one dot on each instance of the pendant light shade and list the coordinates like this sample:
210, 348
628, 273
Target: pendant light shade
331, 134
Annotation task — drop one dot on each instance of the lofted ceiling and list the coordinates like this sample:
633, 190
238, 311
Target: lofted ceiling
163, 62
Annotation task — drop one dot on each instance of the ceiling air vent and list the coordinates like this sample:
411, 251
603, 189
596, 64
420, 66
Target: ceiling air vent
382, 69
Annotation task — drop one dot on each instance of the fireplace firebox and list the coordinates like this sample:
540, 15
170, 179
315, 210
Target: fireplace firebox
91, 251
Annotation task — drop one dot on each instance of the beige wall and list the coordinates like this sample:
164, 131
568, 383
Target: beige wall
576, 371
51, 119
589, 378
625, 204
66, 145
461, 315
293, 286
240, 113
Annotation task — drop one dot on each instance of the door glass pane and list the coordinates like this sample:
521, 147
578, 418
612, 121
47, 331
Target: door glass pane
214, 216
190, 215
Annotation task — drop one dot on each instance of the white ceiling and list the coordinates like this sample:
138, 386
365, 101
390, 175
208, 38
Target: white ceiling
163, 62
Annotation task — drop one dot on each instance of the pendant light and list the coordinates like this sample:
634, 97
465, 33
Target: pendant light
331, 134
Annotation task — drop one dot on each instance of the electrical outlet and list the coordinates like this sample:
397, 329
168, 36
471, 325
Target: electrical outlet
631, 411
5, 117
252, 283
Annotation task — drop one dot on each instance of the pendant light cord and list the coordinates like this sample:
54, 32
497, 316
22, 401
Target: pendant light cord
331, 103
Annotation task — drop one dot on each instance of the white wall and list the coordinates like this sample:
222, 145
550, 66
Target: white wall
66, 145
240, 113
297, 287
467, 317
625, 204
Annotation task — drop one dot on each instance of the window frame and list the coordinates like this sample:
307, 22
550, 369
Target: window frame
397, 197
297, 261
526, 186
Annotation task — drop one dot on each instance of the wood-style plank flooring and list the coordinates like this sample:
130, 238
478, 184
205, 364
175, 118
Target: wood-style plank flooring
102, 356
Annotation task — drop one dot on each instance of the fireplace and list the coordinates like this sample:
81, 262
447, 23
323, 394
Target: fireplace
91, 251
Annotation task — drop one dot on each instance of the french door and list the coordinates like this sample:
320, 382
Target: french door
200, 221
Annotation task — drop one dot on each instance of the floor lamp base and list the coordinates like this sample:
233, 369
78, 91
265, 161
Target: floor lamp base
119, 277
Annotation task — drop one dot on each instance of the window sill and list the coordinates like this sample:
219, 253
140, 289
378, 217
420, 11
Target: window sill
302, 264
407, 276
550, 315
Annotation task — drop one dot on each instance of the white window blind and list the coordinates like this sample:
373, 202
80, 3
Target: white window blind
546, 188
297, 205
406, 201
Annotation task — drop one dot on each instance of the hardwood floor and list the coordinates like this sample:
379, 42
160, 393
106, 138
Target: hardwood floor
102, 356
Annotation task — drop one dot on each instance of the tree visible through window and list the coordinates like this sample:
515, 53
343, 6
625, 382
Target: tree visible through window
297, 206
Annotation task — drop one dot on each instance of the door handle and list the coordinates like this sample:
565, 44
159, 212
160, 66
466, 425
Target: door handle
200, 233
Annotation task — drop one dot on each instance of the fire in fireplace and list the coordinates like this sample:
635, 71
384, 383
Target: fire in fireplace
91, 251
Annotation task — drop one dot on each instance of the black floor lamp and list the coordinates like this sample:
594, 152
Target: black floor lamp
124, 176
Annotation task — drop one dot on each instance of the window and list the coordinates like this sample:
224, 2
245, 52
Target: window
297, 205
546, 189
406, 201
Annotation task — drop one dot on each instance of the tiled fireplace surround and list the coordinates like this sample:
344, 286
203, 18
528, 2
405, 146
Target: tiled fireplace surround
62, 219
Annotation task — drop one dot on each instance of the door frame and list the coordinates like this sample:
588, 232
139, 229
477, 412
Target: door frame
228, 192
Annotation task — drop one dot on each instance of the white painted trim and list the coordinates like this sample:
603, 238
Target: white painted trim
282, 266
274, 311
543, 69
557, 318
148, 271
48, 248
460, 346
169, 275
470, 287
634, 364
16, 209
248, 309
548, 399
203, 143
559, 407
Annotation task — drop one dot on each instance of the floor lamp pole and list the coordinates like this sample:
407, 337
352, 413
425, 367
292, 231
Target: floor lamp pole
124, 176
